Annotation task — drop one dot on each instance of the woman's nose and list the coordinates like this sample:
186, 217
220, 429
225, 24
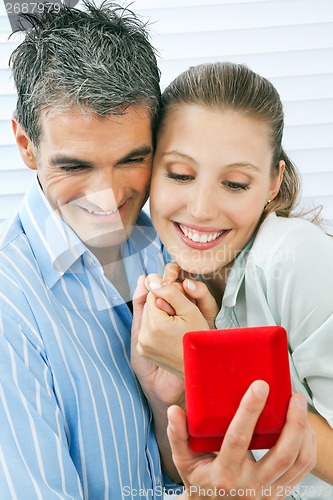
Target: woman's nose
203, 204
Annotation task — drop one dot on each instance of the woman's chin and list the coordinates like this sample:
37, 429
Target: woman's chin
201, 269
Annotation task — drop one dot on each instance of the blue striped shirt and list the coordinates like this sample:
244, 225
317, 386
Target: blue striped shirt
73, 420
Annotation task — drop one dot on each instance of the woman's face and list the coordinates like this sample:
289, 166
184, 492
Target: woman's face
211, 180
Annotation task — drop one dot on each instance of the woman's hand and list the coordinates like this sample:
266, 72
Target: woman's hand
196, 291
161, 334
231, 472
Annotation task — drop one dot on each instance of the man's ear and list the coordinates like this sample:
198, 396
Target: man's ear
25, 145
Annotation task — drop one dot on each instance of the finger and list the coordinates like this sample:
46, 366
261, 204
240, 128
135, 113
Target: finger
139, 300
291, 444
239, 434
305, 462
186, 461
311, 460
172, 272
178, 436
141, 291
161, 337
153, 281
165, 307
174, 295
204, 300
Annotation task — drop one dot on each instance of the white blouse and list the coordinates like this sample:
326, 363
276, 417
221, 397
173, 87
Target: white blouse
284, 276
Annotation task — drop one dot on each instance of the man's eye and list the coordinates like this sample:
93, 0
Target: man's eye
178, 177
133, 161
236, 186
73, 168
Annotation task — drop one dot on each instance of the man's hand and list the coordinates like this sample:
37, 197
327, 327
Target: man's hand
159, 385
161, 334
231, 470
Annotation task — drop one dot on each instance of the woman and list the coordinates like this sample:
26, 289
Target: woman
222, 195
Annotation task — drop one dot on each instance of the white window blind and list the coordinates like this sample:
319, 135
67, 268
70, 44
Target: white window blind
288, 41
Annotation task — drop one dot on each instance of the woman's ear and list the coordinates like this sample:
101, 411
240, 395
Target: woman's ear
277, 181
25, 145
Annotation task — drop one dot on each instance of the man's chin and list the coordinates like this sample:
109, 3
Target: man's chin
109, 240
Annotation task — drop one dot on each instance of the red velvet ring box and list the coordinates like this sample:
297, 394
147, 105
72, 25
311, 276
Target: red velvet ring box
219, 367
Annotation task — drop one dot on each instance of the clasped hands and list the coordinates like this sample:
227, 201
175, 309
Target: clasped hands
165, 308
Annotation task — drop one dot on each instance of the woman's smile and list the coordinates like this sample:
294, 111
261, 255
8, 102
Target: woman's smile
200, 238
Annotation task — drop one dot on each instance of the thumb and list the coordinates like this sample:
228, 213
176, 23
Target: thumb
178, 437
204, 300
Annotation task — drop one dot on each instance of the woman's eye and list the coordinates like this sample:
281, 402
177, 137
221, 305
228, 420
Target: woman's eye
236, 186
179, 177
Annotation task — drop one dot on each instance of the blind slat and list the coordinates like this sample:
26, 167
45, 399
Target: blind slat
288, 41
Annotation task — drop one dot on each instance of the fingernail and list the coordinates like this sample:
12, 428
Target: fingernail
299, 401
153, 285
260, 389
170, 425
191, 285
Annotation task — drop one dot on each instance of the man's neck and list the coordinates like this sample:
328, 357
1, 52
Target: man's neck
114, 269
116, 274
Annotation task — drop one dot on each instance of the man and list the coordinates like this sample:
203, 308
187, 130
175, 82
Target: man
74, 422
88, 90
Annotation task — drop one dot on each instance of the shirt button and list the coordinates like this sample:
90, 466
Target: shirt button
115, 298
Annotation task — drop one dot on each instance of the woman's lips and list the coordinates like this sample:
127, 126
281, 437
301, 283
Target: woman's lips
200, 238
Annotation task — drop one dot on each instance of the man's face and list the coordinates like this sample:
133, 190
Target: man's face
95, 171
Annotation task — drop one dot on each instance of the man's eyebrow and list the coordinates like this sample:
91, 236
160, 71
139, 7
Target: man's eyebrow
70, 160
141, 151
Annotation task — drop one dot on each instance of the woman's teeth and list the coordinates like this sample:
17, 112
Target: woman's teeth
202, 237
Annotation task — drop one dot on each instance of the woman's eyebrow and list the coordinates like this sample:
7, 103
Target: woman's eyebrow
175, 153
245, 165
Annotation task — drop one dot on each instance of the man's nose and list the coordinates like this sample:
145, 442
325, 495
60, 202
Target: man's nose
103, 199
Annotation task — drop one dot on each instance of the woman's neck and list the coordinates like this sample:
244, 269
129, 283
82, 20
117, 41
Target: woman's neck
216, 282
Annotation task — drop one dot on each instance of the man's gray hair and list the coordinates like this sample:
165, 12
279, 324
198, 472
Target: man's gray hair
99, 60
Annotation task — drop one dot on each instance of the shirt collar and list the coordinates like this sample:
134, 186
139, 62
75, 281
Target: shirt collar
58, 249
55, 245
236, 276
237, 272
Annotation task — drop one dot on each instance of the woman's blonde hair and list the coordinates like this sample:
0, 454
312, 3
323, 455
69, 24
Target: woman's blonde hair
228, 86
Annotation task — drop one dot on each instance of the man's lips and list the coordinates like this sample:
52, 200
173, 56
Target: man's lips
98, 214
